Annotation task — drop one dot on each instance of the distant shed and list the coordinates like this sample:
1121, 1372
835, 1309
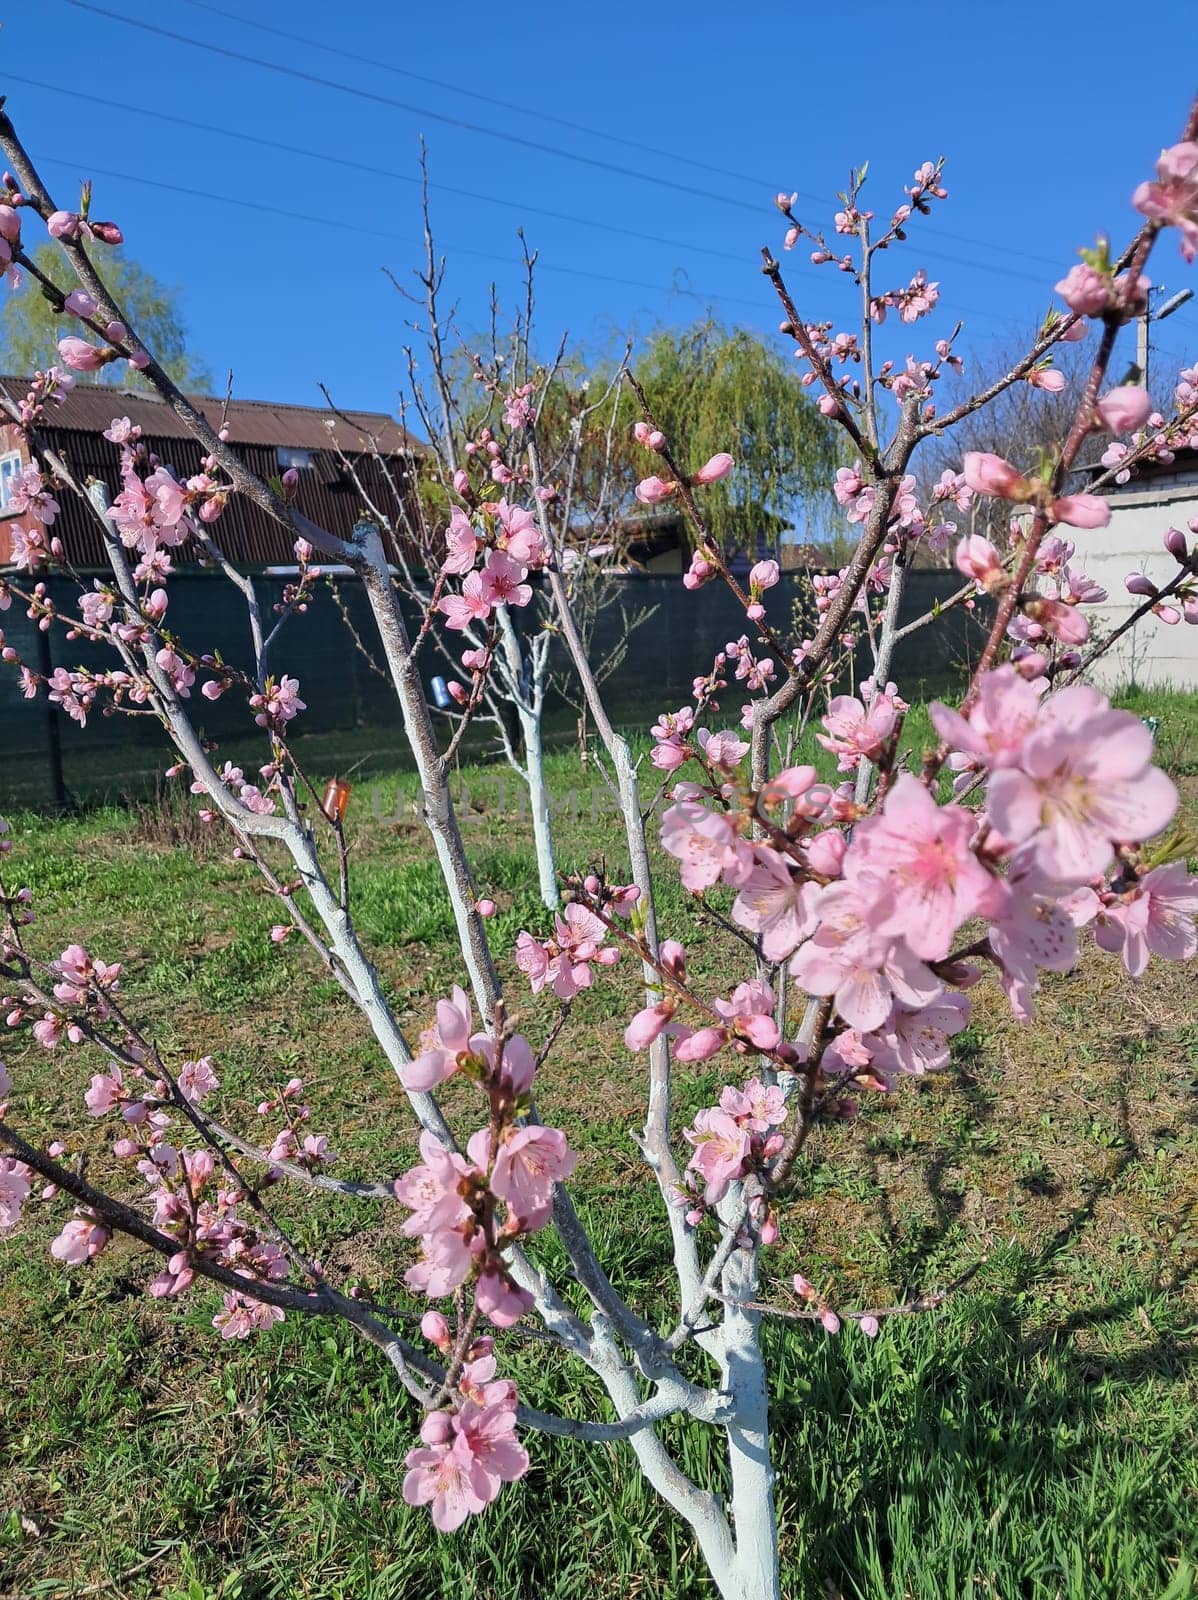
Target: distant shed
1157, 497
270, 437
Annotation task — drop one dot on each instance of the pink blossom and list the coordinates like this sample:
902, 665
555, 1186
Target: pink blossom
1084, 782
471, 606
197, 1079
920, 853
774, 903
854, 732
917, 1041
487, 1429
977, 558
14, 1191
445, 1477
80, 355
757, 1107
723, 750
763, 575
1046, 377
707, 844
1173, 196
1004, 713
1034, 931
748, 1012
240, 1317
432, 1189
106, 1092
850, 958
278, 705
443, 1046
519, 535
81, 1240
701, 1044
499, 1298
503, 581
648, 1025
529, 1162
462, 542
1064, 622
721, 1149
1156, 918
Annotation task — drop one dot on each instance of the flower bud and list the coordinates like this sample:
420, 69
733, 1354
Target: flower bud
1082, 510
1175, 544
435, 1329
10, 224
712, 471
81, 356
81, 303
990, 474
62, 224
652, 491
1124, 409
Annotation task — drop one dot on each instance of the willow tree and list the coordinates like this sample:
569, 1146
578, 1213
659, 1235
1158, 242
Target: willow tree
723, 388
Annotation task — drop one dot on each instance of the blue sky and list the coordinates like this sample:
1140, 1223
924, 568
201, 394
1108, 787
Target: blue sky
1047, 120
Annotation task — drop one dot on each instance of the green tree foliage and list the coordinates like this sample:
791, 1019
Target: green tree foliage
29, 329
714, 388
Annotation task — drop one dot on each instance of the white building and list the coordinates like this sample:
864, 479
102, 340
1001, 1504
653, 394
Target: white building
1155, 499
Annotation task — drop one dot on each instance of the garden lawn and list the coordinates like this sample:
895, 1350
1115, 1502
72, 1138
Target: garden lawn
1033, 1439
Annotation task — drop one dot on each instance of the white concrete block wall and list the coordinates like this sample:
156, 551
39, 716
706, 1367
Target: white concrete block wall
1151, 653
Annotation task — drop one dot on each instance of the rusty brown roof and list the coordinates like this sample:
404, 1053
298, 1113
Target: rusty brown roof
90, 407
327, 492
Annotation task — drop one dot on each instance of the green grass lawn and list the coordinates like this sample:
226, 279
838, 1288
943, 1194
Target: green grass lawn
1034, 1439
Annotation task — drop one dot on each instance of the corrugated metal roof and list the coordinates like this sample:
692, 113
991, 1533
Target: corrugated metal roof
90, 407
326, 492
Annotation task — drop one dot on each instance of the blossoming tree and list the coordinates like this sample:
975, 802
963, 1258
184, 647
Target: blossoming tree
864, 911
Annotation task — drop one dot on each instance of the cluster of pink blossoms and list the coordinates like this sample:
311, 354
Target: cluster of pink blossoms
153, 511
468, 1450
195, 1202
453, 1197
871, 920
730, 1140
564, 961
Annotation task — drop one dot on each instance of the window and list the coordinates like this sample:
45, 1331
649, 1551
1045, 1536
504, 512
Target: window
11, 463
301, 460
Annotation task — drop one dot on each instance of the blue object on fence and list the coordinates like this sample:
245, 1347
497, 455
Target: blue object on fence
440, 693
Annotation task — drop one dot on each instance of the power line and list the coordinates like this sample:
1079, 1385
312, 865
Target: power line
379, 172
286, 212
562, 122
455, 122
323, 46
384, 233
743, 261
420, 111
